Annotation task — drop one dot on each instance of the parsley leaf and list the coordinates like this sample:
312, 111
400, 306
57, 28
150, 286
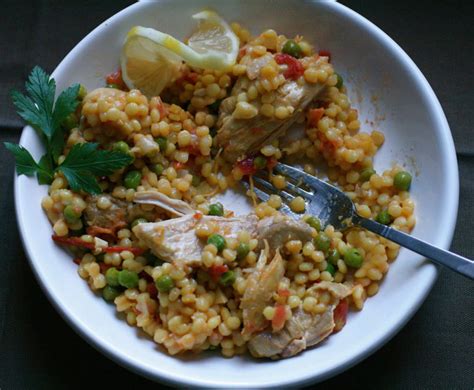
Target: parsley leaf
85, 161
37, 109
25, 164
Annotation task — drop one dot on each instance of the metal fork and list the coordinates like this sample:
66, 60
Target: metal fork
333, 207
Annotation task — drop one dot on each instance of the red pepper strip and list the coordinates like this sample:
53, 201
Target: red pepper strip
246, 166
340, 315
314, 115
279, 318
284, 292
73, 241
216, 271
151, 289
77, 241
325, 53
295, 69
115, 78
272, 162
104, 267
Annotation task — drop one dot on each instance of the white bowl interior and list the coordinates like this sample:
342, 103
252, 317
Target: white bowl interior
387, 89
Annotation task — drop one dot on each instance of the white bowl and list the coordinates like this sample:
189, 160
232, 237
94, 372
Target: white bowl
405, 109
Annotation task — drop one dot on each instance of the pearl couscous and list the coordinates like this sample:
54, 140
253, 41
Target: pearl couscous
248, 281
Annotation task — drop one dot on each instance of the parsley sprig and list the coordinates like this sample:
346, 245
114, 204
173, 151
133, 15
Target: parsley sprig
84, 162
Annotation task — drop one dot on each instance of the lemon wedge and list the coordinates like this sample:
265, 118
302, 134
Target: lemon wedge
151, 59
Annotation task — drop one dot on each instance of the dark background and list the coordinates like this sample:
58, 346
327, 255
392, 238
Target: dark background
434, 350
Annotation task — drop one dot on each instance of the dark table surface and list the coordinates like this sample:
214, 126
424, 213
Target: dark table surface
38, 350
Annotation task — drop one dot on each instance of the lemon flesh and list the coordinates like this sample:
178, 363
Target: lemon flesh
151, 59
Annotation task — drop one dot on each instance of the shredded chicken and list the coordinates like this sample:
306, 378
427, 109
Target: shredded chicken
279, 229
118, 215
261, 285
175, 240
302, 330
173, 206
241, 137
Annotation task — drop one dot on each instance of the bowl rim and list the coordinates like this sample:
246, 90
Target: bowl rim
449, 160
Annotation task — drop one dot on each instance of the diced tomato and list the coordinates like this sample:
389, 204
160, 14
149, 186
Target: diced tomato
283, 292
151, 289
340, 315
314, 115
246, 166
115, 78
279, 318
295, 69
192, 149
216, 271
325, 53
197, 216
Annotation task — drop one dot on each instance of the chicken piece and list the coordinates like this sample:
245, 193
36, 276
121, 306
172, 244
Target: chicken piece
246, 136
118, 215
279, 229
302, 330
261, 285
175, 207
175, 240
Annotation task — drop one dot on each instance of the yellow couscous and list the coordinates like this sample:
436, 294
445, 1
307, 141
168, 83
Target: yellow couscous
180, 265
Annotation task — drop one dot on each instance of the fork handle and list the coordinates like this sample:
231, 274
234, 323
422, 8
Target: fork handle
451, 260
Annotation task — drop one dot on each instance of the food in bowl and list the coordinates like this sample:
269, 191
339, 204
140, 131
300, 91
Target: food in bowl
148, 234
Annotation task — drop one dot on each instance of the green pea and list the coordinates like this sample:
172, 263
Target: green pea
121, 146
132, 179
353, 258
322, 242
70, 122
164, 283
366, 174
402, 181
331, 269
113, 85
227, 278
340, 81
384, 217
158, 169
243, 250
333, 256
162, 143
195, 181
71, 214
82, 92
314, 223
109, 293
138, 221
128, 278
218, 241
292, 48
260, 162
111, 276
216, 209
